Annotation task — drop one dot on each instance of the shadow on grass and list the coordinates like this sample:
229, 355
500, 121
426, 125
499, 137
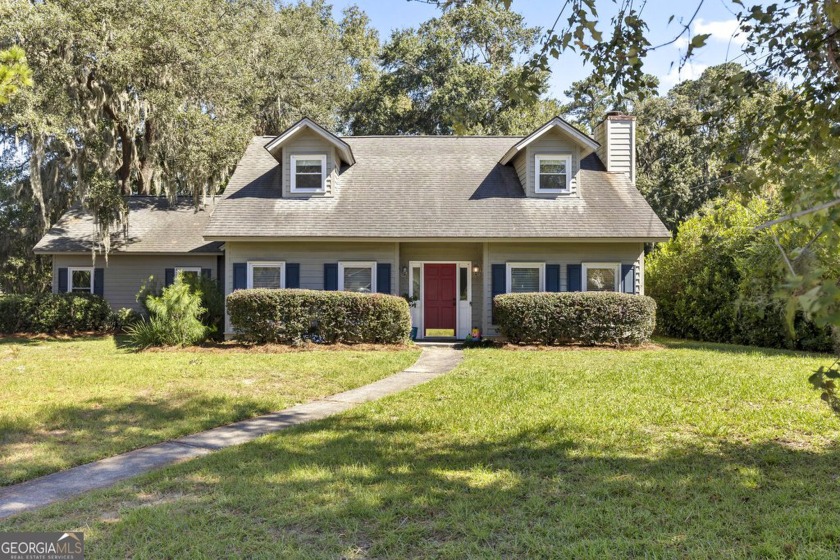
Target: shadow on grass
76, 433
685, 344
350, 487
36, 339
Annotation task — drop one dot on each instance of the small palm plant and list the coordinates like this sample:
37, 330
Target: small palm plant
174, 318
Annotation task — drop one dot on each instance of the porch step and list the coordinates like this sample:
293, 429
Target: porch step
439, 343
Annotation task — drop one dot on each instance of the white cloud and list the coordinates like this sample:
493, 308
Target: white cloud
722, 31
689, 71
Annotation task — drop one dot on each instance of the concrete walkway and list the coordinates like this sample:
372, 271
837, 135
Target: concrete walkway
433, 362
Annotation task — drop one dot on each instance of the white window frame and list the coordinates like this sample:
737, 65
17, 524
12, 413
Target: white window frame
293, 173
70, 272
586, 266
357, 264
180, 269
511, 265
567, 158
266, 264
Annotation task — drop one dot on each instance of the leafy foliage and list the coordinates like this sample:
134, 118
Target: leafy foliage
586, 318
14, 73
719, 280
212, 301
174, 318
53, 313
289, 316
455, 74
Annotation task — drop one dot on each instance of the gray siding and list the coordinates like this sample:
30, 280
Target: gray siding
307, 142
311, 257
471, 252
551, 143
124, 274
618, 145
562, 254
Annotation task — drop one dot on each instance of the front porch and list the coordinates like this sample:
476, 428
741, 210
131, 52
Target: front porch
444, 282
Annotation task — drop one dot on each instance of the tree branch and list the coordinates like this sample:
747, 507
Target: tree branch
789, 217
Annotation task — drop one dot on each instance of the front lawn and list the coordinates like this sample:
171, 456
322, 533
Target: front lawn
70, 401
692, 451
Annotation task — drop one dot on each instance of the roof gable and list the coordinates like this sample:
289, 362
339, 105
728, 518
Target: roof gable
585, 141
285, 137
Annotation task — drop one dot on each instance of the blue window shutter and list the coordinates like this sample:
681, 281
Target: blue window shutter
292, 275
62, 280
206, 272
573, 277
498, 285
628, 279
168, 277
552, 278
331, 276
383, 278
240, 276
99, 281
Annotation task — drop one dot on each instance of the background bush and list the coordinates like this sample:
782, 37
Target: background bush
575, 317
718, 280
50, 313
212, 300
288, 316
174, 318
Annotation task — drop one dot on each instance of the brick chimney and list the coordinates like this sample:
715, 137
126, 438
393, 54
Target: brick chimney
617, 136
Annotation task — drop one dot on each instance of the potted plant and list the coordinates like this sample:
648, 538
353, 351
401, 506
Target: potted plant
412, 302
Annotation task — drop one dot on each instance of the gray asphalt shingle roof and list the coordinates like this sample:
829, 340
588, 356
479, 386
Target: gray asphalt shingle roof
154, 226
429, 187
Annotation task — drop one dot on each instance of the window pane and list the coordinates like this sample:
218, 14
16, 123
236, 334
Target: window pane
524, 280
553, 182
552, 166
81, 280
600, 279
463, 281
266, 277
415, 288
357, 279
308, 166
308, 181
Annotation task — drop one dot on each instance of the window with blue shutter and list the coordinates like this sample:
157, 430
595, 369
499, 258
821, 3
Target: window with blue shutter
552, 278
331, 276
168, 276
62, 280
99, 281
292, 275
383, 278
240, 276
497, 285
574, 273
628, 279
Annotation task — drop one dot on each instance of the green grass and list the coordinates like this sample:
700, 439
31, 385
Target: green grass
67, 402
693, 451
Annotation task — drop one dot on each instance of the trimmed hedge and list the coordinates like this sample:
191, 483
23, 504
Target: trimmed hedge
49, 313
262, 315
575, 317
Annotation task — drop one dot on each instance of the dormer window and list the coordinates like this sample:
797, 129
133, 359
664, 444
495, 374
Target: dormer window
553, 173
309, 173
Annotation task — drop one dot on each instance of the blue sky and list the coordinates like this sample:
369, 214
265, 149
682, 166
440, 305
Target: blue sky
715, 17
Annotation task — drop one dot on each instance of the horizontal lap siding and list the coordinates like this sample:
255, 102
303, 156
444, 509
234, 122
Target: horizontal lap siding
552, 142
124, 274
471, 252
562, 254
308, 143
310, 256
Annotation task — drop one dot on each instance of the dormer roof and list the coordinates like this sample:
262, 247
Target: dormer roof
344, 151
586, 142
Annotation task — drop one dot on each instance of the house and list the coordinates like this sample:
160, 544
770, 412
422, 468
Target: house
449, 220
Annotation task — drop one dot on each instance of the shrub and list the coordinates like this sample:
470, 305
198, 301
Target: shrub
49, 313
174, 318
575, 317
289, 315
212, 300
124, 318
718, 280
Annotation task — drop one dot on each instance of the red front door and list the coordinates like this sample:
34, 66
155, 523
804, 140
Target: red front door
439, 298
